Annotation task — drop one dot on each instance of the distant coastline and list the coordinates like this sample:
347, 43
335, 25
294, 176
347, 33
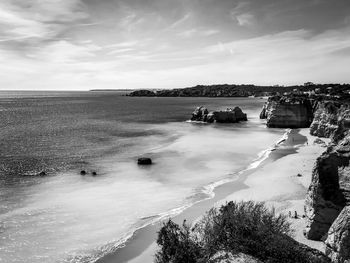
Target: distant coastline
243, 90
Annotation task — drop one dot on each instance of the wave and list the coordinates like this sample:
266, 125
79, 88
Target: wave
208, 191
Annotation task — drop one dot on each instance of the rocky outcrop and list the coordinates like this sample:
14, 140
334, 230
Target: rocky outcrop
200, 114
338, 241
326, 195
144, 161
329, 191
330, 119
228, 116
287, 112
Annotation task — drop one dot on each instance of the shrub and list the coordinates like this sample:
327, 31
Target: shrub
246, 227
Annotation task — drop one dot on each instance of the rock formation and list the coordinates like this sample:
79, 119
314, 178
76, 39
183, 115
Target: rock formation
287, 112
338, 241
228, 116
327, 205
200, 114
330, 118
144, 161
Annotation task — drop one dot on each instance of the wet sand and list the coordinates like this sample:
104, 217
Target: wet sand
141, 247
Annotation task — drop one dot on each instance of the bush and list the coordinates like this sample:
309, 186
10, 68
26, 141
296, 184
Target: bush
246, 227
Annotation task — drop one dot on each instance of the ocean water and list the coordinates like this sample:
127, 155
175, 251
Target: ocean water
66, 217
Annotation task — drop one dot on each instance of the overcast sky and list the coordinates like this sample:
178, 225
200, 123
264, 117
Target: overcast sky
86, 44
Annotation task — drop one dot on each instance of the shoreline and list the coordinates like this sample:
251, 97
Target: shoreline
141, 246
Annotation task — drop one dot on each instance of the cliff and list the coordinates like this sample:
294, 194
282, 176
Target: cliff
327, 203
288, 112
330, 118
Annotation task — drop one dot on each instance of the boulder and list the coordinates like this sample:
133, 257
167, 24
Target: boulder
199, 114
239, 114
338, 240
144, 161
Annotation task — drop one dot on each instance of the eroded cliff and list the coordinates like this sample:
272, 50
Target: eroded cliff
328, 199
287, 112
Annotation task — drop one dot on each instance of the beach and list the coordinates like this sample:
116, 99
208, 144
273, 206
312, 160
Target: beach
275, 181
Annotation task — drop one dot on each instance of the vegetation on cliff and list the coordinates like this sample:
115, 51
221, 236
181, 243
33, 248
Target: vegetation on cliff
233, 90
236, 228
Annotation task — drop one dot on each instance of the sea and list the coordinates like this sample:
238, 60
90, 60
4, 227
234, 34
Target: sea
64, 216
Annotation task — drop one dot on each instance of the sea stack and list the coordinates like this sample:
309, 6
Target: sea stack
230, 115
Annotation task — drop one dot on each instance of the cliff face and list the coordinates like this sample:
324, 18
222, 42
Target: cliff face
328, 191
331, 119
287, 112
338, 241
327, 205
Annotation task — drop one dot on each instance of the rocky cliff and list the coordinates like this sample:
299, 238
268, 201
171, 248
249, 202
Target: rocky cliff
330, 119
287, 112
327, 204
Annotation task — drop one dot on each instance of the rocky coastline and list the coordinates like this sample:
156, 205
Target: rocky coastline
327, 203
230, 115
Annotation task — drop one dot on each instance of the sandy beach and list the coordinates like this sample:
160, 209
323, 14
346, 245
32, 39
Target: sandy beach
281, 181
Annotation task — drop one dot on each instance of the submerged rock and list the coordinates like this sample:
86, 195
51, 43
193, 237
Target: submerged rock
144, 161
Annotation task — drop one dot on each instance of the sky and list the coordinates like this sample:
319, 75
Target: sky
144, 44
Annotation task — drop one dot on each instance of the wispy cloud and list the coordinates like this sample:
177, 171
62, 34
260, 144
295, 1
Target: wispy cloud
38, 19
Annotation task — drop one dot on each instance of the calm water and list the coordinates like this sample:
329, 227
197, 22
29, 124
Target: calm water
68, 217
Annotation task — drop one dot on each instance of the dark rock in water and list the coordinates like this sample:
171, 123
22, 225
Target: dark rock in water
338, 241
199, 114
83, 172
94, 173
228, 116
144, 161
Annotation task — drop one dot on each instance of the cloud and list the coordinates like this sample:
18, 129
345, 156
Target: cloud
38, 18
245, 19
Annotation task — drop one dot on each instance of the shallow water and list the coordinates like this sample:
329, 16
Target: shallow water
66, 216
